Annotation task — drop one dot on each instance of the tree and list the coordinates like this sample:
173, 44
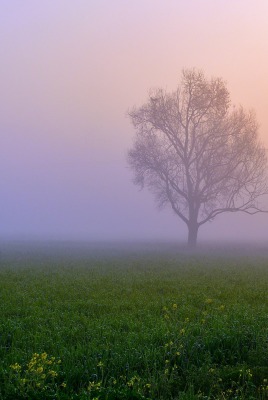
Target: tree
198, 153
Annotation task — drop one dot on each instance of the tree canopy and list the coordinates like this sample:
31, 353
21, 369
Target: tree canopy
198, 153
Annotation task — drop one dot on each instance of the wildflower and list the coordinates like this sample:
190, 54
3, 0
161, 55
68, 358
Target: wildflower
63, 384
132, 381
31, 365
35, 373
53, 373
16, 367
175, 306
100, 364
249, 373
93, 385
182, 331
148, 385
208, 301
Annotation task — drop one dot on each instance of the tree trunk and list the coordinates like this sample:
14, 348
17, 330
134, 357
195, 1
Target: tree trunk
192, 235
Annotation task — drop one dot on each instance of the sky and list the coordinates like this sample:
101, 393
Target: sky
70, 71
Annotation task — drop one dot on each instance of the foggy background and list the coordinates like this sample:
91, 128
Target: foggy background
69, 72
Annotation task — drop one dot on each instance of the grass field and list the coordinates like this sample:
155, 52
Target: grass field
155, 324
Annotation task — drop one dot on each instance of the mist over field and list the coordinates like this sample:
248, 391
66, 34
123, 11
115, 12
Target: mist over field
70, 71
26, 253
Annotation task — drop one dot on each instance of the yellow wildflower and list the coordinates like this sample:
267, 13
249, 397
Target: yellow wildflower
16, 367
208, 301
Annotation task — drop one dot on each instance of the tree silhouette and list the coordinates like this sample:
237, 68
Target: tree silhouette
197, 153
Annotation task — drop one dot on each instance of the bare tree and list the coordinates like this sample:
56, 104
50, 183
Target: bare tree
197, 153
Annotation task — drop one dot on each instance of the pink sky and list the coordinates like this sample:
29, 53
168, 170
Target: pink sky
70, 70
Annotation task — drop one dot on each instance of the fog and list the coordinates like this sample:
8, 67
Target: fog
69, 73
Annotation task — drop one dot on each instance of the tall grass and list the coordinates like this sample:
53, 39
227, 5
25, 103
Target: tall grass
148, 327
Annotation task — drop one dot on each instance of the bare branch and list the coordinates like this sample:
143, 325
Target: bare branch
195, 154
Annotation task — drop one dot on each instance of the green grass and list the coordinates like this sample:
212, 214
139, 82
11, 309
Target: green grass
148, 327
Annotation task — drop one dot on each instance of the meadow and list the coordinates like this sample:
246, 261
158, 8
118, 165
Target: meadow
133, 324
